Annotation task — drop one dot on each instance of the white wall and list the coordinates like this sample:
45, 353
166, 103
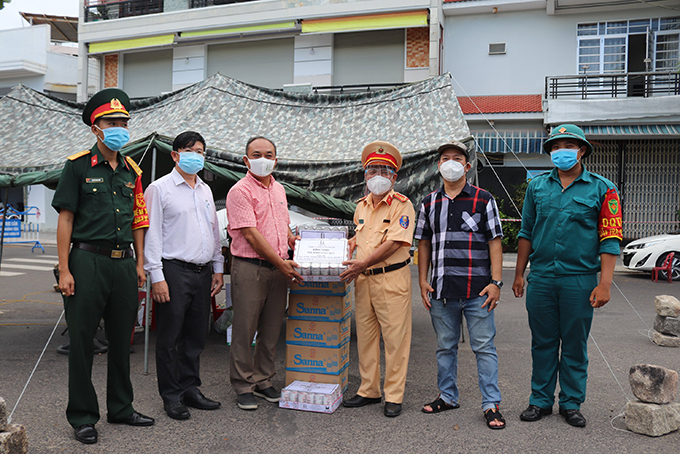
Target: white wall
537, 45
28, 43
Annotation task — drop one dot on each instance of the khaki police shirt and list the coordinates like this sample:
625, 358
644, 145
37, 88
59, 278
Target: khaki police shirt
393, 219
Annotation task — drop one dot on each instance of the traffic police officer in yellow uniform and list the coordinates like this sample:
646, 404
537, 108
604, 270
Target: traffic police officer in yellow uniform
384, 231
101, 213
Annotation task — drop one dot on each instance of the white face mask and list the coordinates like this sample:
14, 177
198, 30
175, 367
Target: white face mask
262, 167
452, 170
379, 185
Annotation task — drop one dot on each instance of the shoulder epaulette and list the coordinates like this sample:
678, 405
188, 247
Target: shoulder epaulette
400, 197
134, 165
361, 199
73, 157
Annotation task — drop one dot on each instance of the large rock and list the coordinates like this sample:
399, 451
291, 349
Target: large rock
667, 306
665, 341
652, 419
653, 384
3, 415
14, 441
667, 325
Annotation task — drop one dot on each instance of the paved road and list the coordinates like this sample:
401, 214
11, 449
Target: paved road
29, 309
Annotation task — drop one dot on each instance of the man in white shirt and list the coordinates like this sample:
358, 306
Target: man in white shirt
185, 266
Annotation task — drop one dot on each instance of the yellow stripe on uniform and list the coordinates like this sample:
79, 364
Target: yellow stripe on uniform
73, 157
134, 165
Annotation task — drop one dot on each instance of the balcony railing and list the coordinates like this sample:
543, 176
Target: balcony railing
622, 85
96, 10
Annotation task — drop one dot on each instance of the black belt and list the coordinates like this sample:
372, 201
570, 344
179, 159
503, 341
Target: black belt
188, 265
113, 253
387, 268
258, 262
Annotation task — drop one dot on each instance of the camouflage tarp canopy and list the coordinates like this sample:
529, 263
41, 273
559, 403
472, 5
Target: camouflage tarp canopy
319, 137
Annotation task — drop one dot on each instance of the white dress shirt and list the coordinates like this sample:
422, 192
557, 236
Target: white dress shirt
182, 225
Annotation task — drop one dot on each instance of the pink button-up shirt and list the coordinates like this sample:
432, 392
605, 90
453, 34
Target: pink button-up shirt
252, 204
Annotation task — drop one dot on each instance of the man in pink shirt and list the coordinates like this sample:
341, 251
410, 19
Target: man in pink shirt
257, 211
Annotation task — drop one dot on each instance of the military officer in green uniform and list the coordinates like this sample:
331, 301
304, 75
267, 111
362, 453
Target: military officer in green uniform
101, 213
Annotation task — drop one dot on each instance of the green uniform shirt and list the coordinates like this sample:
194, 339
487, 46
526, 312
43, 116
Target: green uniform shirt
101, 198
562, 225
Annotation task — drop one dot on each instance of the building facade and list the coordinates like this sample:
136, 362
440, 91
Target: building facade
612, 67
153, 47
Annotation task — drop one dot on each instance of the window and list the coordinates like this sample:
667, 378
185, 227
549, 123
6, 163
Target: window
617, 46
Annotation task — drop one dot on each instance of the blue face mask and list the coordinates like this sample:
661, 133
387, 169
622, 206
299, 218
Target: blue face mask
191, 162
564, 159
115, 138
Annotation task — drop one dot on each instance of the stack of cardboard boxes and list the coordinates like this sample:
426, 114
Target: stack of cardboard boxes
318, 332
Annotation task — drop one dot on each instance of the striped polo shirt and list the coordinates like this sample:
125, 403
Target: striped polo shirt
459, 230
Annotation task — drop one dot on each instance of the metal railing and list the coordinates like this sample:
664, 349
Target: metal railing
622, 85
347, 89
96, 10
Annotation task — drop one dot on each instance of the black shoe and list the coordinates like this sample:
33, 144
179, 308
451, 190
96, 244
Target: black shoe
392, 410
573, 417
176, 410
198, 400
534, 413
135, 419
246, 401
360, 401
269, 394
86, 434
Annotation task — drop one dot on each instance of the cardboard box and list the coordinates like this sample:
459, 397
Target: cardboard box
320, 288
317, 360
322, 398
320, 307
314, 333
341, 379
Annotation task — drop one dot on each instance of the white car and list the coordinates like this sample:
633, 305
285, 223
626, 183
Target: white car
646, 253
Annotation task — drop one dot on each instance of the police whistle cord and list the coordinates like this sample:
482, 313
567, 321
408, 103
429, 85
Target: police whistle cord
9, 419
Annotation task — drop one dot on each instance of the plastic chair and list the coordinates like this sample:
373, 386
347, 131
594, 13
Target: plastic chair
667, 267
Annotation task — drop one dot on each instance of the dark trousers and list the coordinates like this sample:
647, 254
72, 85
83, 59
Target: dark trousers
104, 288
259, 295
182, 328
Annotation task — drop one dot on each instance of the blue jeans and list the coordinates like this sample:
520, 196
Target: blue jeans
446, 320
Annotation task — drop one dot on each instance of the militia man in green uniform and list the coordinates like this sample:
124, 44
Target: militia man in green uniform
101, 213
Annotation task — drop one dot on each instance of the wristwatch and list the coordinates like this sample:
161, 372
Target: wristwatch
498, 284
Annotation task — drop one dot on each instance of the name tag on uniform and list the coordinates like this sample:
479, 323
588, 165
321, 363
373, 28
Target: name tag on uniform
94, 180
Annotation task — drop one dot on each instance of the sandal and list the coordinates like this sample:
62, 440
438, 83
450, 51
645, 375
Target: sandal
438, 406
494, 414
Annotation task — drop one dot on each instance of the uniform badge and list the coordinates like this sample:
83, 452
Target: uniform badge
380, 150
94, 180
403, 221
130, 185
94, 161
562, 129
116, 104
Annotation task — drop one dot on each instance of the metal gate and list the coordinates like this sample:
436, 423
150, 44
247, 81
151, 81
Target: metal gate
649, 182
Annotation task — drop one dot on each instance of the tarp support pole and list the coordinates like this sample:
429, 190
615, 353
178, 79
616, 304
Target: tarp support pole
4, 216
153, 164
147, 318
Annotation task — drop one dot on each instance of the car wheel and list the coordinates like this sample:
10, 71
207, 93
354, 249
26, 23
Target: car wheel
675, 270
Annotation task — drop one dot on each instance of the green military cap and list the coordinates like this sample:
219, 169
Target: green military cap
567, 131
107, 103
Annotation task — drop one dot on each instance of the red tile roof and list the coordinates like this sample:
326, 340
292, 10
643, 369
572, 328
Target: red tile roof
500, 104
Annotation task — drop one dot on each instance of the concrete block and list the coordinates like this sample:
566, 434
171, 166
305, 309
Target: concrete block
14, 440
667, 325
665, 341
653, 384
667, 306
4, 413
652, 419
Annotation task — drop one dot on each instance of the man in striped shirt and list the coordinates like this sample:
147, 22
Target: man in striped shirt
459, 233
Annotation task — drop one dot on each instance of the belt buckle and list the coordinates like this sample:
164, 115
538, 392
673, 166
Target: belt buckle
117, 254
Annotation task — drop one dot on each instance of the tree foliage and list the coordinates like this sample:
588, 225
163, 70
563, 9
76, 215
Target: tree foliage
2, 3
